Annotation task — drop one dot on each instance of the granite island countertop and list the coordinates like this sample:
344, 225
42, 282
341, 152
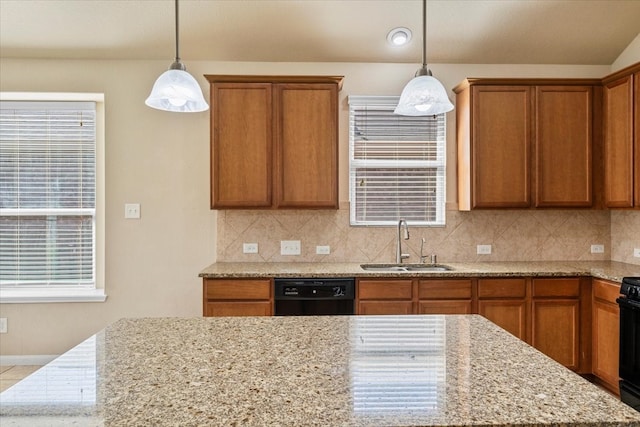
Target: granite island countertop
609, 270
309, 371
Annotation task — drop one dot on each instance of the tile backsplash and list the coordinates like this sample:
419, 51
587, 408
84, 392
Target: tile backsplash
625, 235
514, 235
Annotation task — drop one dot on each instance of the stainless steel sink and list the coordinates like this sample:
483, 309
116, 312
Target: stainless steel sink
405, 267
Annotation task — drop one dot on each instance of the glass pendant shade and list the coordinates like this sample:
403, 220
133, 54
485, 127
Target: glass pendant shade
177, 91
423, 96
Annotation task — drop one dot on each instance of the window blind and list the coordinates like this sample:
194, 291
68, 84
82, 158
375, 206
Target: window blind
398, 363
397, 164
47, 194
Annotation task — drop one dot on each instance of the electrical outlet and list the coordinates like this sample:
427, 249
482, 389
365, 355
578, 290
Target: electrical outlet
132, 210
597, 249
323, 250
636, 252
289, 247
483, 249
249, 248
3, 325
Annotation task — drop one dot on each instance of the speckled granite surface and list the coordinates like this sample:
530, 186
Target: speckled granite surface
308, 371
609, 270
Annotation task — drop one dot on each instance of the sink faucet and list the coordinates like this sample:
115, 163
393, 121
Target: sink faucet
399, 255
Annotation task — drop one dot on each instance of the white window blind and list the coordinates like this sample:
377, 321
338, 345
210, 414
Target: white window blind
398, 364
397, 164
47, 194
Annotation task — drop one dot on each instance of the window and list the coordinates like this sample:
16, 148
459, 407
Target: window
397, 164
49, 198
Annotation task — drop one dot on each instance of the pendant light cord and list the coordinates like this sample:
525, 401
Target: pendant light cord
424, 71
177, 31
424, 33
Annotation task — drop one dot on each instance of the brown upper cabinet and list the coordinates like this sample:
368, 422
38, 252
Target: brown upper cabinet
526, 143
274, 141
622, 138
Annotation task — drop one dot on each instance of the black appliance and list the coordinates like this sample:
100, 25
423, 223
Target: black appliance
311, 297
629, 370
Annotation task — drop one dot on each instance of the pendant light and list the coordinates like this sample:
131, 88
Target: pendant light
424, 95
176, 90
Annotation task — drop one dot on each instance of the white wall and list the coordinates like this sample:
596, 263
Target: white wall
161, 160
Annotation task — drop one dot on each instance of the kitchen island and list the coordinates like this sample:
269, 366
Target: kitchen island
309, 371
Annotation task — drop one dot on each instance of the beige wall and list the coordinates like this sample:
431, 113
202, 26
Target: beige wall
160, 160
629, 56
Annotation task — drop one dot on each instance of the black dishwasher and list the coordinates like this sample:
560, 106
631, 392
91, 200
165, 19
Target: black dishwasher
314, 297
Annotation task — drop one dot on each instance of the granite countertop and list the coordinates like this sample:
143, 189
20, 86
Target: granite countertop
309, 371
609, 270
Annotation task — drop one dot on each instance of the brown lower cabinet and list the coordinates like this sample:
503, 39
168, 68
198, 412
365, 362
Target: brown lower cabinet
555, 319
446, 296
413, 296
571, 319
237, 297
605, 336
384, 296
504, 302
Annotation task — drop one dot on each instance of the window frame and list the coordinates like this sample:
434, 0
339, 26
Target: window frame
438, 165
61, 294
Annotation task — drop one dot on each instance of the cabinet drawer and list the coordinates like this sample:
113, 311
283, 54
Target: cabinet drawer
235, 308
560, 287
237, 289
444, 307
384, 289
385, 307
444, 289
606, 291
502, 288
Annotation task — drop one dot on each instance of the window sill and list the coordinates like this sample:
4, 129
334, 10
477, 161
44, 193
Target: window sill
32, 296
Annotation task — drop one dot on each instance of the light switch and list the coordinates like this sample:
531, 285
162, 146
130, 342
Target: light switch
132, 210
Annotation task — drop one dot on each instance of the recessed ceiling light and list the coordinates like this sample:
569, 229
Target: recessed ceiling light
399, 36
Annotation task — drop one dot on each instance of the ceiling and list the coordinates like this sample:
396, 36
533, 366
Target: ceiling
590, 32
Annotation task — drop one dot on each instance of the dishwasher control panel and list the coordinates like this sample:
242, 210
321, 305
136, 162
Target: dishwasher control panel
314, 288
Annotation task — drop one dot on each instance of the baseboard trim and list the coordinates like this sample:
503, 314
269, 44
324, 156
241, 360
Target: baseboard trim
33, 359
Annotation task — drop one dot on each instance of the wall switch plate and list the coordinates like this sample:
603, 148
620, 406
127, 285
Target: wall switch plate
249, 248
597, 249
483, 249
132, 210
3, 325
289, 247
636, 252
323, 250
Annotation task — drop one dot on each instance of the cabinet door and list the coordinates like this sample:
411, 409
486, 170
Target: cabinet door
501, 135
307, 146
556, 330
563, 146
606, 333
241, 145
636, 168
510, 315
618, 143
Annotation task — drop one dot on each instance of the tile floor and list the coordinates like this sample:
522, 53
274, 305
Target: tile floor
9, 375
